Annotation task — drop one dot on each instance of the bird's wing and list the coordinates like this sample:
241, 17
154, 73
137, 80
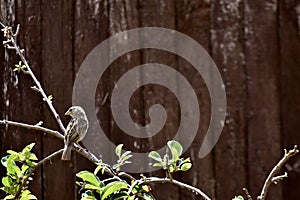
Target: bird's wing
71, 131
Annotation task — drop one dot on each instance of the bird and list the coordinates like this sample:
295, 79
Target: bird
75, 131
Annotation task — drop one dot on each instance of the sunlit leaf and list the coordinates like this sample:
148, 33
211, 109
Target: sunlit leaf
112, 188
91, 187
9, 197
118, 150
176, 149
89, 177
6, 181
154, 155
186, 166
28, 148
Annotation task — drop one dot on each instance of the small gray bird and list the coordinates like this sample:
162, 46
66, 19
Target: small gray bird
75, 131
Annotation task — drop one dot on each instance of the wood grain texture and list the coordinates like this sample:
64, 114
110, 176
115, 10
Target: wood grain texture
90, 28
161, 14
57, 25
228, 53
289, 32
20, 103
123, 15
32, 106
193, 19
262, 68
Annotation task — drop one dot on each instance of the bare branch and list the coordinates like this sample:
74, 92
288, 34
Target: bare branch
247, 194
12, 37
2, 24
276, 179
32, 127
175, 182
275, 171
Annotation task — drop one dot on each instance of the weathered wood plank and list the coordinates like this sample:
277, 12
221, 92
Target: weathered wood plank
160, 14
32, 101
57, 78
20, 103
228, 53
289, 32
123, 15
193, 19
262, 70
90, 28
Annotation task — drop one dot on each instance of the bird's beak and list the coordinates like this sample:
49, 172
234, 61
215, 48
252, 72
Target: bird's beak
68, 112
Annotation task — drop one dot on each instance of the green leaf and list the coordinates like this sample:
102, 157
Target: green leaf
186, 166
98, 168
119, 195
89, 177
6, 181
12, 168
157, 165
126, 156
28, 148
238, 198
154, 155
9, 197
146, 196
26, 195
146, 188
32, 157
112, 188
91, 187
116, 167
118, 150
11, 152
176, 149
123, 159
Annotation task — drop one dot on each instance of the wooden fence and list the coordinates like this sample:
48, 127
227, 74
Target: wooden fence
255, 44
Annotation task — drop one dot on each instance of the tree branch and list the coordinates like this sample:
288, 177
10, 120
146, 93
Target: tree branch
247, 194
175, 182
32, 127
272, 176
12, 38
76, 147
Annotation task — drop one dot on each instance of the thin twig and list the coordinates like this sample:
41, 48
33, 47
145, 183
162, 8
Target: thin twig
275, 171
24, 181
2, 24
278, 178
247, 194
175, 182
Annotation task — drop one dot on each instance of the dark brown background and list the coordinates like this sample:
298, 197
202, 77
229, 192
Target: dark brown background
255, 44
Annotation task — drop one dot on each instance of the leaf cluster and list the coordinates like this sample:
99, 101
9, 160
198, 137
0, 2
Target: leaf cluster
173, 164
19, 167
112, 188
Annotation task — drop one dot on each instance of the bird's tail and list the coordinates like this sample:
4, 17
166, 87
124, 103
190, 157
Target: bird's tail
66, 155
